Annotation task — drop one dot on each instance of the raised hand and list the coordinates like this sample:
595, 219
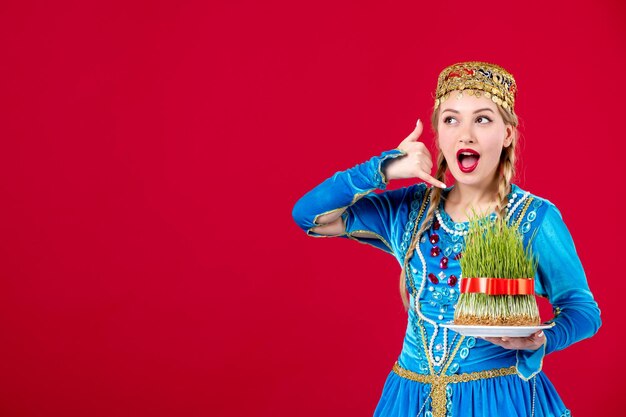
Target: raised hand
417, 163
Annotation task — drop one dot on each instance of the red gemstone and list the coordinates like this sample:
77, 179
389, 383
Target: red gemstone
434, 238
433, 278
436, 225
435, 251
443, 264
452, 280
458, 256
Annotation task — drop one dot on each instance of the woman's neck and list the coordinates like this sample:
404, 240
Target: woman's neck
464, 199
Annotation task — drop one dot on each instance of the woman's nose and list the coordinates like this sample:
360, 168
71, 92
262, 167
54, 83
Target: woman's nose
466, 138
465, 133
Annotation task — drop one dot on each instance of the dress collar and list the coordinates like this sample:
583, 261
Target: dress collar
515, 193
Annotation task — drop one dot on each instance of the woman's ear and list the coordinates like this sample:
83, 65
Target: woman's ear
510, 135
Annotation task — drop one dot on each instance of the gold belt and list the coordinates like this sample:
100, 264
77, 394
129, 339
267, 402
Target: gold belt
440, 382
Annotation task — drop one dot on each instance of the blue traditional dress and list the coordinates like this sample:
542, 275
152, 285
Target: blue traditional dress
440, 373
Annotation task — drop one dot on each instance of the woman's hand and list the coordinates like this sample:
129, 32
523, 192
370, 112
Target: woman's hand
532, 342
417, 163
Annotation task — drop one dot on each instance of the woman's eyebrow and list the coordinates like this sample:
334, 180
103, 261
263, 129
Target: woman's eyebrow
477, 111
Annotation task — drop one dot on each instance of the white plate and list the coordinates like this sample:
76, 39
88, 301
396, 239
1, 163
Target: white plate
496, 331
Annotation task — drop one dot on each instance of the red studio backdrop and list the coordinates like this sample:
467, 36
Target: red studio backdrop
152, 152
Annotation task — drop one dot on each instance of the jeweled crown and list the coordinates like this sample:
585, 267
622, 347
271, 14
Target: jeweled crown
490, 80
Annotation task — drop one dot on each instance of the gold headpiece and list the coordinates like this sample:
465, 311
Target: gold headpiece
478, 78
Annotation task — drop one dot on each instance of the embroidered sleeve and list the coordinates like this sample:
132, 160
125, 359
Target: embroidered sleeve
562, 279
382, 215
353, 190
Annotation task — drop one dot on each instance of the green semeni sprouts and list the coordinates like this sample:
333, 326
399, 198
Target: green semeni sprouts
495, 249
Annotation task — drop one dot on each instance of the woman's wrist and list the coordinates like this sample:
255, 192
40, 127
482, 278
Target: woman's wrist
387, 160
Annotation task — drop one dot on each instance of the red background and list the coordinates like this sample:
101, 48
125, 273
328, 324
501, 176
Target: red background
151, 155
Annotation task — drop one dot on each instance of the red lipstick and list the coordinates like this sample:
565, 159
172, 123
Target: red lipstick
467, 159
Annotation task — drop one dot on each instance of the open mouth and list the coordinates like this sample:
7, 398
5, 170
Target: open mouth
467, 159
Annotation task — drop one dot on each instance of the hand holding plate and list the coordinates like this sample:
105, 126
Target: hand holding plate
532, 342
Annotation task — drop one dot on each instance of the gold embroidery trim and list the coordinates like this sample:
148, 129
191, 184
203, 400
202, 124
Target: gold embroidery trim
523, 211
356, 197
453, 379
374, 236
438, 390
409, 253
440, 382
392, 156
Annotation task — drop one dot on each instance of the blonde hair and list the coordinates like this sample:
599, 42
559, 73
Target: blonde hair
506, 169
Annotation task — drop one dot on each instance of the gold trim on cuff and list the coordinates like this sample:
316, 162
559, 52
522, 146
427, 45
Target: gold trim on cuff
356, 197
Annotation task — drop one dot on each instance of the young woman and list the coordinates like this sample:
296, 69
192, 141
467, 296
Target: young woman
439, 372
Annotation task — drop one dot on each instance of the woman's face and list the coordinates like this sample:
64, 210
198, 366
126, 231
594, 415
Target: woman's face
471, 135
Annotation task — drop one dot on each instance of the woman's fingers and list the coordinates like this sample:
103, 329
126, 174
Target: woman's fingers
428, 165
539, 338
419, 163
416, 133
494, 340
431, 180
534, 341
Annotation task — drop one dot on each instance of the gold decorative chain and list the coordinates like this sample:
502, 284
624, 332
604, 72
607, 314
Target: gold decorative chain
440, 382
455, 378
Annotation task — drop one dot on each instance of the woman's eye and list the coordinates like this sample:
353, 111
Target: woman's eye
483, 118
448, 119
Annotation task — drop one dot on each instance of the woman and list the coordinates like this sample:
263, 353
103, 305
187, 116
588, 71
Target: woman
440, 372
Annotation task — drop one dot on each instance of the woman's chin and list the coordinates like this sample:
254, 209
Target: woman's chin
471, 179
